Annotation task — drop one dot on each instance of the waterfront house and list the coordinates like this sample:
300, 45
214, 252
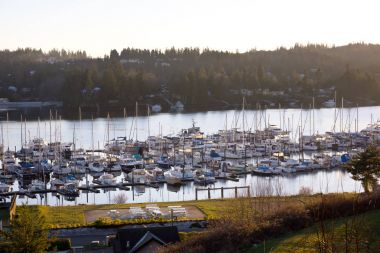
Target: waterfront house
144, 239
7, 212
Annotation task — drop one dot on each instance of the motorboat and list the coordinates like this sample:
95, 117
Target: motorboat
173, 177
96, 167
37, 185
107, 179
137, 176
4, 187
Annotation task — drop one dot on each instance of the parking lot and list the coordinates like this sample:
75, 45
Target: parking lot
149, 211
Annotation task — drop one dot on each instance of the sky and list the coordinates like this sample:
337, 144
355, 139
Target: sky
98, 26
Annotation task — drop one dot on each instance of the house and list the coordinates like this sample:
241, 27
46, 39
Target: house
156, 108
7, 212
12, 88
144, 239
177, 107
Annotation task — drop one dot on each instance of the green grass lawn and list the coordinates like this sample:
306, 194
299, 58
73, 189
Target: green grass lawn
74, 216
306, 240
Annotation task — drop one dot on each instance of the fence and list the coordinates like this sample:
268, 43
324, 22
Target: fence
222, 189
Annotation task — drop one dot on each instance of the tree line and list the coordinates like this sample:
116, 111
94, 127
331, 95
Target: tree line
194, 76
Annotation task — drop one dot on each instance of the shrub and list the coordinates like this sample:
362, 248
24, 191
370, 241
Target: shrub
59, 244
120, 198
5, 246
305, 191
103, 221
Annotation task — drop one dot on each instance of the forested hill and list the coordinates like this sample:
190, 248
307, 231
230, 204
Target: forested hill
200, 79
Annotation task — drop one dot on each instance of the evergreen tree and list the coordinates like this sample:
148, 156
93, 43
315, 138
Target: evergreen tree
366, 167
28, 232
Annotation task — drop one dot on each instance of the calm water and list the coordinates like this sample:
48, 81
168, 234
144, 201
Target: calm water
319, 120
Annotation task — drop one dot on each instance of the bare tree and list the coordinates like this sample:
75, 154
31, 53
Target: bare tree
120, 198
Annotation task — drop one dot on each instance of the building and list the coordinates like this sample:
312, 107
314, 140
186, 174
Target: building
144, 239
7, 212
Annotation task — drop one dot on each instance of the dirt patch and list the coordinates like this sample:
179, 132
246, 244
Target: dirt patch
192, 212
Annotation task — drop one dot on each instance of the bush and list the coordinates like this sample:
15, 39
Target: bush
305, 191
103, 221
244, 227
5, 246
60, 244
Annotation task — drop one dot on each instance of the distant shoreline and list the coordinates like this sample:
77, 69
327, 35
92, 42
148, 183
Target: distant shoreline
43, 113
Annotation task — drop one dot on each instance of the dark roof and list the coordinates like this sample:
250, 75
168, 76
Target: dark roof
140, 236
145, 239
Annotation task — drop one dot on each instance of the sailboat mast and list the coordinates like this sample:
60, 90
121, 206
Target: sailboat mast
25, 131
279, 111
92, 136
243, 122
2, 135
136, 121
310, 119
108, 128
125, 119
21, 130
357, 118
148, 121
313, 116
74, 137
50, 126
335, 116
341, 117
7, 130
38, 129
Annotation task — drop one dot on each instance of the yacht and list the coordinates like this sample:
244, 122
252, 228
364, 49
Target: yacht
37, 185
96, 167
4, 187
107, 179
155, 175
173, 177
137, 176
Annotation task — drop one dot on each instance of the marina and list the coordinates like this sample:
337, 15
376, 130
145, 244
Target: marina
172, 157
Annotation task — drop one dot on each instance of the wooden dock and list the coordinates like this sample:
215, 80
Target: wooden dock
234, 179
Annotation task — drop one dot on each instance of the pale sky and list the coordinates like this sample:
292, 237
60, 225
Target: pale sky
98, 26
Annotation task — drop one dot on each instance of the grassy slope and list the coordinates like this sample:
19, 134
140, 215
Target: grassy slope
74, 216
304, 241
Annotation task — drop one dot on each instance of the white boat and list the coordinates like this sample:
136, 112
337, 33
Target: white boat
128, 163
113, 167
173, 177
8, 160
204, 180
155, 175
71, 188
37, 185
96, 167
61, 169
329, 103
137, 176
241, 167
56, 184
4, 187
79, 160
6, 176
310, 147
186, 172
77, 169
107, 179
